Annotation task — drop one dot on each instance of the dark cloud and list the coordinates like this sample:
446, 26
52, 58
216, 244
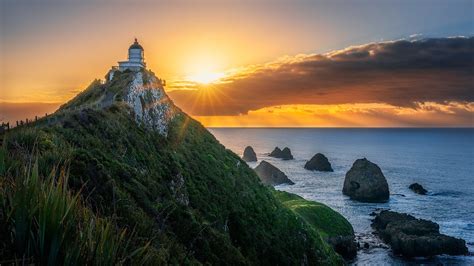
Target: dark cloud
399, 73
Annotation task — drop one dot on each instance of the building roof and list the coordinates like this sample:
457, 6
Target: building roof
135, 45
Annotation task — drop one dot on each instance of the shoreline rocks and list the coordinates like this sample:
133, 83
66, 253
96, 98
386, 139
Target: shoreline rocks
346, 246
412, 237
418, 189
365, 182
319, 162
270, 175
284, 154
249, 155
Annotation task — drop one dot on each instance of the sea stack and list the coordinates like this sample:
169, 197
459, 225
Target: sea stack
412, 237
365, 182
275, 153
284, 154
270, 175
417, 188
319, 162
249, 155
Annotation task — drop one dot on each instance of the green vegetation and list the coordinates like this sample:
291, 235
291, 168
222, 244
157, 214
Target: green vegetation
90, 95
41, 220
186, 198
323, 219
97, 93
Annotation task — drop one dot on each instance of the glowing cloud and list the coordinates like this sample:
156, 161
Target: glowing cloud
399, 73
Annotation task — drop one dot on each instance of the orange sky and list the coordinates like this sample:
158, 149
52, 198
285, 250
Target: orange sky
51, 50
348, 115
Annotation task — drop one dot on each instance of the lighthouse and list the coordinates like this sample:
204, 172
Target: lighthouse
136, 60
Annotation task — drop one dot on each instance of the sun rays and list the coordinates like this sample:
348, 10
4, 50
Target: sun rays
205, 77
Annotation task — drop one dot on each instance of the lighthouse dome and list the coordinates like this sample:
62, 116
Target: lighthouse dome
135, 45
135, 52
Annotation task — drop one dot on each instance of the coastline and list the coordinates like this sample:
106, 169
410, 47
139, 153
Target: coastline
425, 152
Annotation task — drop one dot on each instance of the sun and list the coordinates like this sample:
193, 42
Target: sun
205, 77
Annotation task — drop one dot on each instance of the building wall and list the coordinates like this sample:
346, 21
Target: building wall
130, 65
135, 61
135, 55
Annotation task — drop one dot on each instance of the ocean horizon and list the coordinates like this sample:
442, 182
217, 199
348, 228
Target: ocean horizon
311, 127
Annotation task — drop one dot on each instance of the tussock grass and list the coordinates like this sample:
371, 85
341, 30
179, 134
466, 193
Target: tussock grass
47, 224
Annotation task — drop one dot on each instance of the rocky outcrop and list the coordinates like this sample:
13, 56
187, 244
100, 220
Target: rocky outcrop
249, 155
270, 175
284, 154
346, 246
417, 188
412, 237
275, 153
151, 106
178, 188
319, 162
365, 182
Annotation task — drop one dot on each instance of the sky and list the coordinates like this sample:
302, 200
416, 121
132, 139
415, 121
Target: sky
360, 63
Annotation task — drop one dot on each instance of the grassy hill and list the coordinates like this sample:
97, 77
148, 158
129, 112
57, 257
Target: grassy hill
92, 185
323, 219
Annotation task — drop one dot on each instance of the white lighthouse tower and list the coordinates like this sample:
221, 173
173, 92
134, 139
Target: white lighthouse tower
136, 60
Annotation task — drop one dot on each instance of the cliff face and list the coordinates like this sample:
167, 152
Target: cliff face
141, 91
139, 162
151, 106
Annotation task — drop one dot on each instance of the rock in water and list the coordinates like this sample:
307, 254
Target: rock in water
275, 153
417, 188
249, 155
284, 154
413, 237
270, 175
346, 246
365, 182
319, 162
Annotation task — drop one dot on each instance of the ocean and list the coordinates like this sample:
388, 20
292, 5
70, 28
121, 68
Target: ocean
442, 160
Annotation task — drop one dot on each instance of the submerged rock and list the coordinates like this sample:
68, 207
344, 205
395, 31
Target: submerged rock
249, 155
365, 182
284, 154
417, 188
412, 237
319, 162
270, 175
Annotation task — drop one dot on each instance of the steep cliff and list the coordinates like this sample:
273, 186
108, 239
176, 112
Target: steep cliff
137, 162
